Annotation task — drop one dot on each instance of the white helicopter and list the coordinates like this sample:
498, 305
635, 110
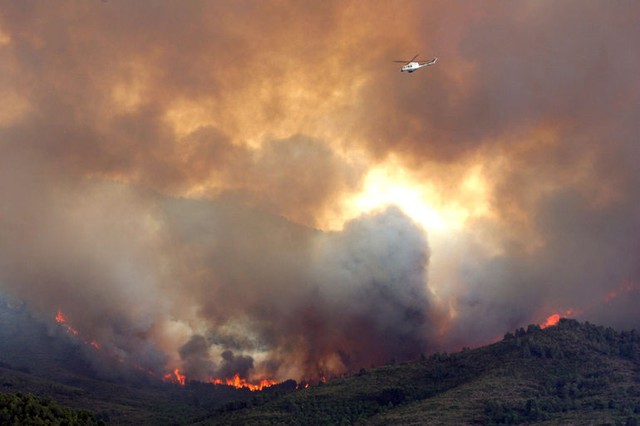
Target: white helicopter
413, 65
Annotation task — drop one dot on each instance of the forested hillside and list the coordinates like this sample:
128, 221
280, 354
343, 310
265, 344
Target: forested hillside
21, 409
571, 373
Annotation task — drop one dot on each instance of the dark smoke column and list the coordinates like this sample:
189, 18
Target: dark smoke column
367, 300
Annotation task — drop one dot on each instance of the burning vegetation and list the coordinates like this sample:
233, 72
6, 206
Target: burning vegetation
236, 381
174, 376
553, 319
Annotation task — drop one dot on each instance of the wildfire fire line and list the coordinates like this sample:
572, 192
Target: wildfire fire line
62, 320
175, 376
236, 381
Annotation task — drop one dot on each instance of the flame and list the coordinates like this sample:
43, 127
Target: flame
627, 286
61, 318
306, 384
237, 382
175, 377
551, 320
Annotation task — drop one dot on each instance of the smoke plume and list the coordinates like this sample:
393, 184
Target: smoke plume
254, 189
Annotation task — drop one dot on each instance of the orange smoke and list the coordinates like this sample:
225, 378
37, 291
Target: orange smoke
626, 287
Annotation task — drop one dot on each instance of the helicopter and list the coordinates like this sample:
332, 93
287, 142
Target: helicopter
413, 65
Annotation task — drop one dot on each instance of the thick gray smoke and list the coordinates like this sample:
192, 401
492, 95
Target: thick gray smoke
319, 302
127, 267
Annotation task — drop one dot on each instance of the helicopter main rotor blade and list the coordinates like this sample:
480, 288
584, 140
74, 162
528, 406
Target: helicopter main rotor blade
410, 60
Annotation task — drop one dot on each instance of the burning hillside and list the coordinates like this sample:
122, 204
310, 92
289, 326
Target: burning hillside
174, 376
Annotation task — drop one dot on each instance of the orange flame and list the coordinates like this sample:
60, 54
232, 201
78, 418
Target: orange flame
61, 318
237, 382
306, 384
551, 320
175, 377
555, 318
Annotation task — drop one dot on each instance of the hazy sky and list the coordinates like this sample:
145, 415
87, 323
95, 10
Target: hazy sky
253, 187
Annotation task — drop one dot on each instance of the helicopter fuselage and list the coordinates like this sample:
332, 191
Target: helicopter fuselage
412, 65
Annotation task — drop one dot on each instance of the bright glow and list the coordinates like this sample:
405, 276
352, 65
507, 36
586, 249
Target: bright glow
391, 184
379, 191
